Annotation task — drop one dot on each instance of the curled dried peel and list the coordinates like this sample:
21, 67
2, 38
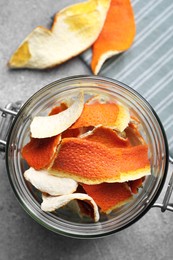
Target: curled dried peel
106, 136
48, 126
134, 136
110, 115
58, 109
109, 196
68, 132
93, 163
135, 139
117, 34
50, 204
47, 183
75, 28
39, 153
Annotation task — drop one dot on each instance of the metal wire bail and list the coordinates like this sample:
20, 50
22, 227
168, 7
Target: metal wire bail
165, 205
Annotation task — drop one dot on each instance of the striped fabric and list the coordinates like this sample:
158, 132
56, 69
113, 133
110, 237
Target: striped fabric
148, 65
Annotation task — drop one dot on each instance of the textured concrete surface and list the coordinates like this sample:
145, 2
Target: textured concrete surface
20, 236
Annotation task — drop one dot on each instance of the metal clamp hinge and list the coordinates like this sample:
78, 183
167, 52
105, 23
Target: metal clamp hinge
165, 205
7, 116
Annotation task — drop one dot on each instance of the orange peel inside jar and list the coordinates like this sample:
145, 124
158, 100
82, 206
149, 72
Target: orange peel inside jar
50, 203
106, 136
69, 132
102, 150
109, 114
39, 153
49, 184
93, 163
52, 125
109, 196
58, 109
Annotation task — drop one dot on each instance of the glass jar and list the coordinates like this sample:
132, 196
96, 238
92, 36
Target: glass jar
65, 221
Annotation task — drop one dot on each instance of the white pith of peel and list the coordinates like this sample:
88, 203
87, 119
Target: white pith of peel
47, 183
48, 126
75, 29
50, 203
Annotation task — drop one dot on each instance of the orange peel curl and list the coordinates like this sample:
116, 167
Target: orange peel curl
133, 135
117, 34
109, 196
75, 28
56, 110
48, 126
47, 183
39, 153
93, 163
109, 115
106, 136
50, 203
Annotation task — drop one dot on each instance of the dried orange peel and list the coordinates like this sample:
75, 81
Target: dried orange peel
47, 183
106, 159
50, 203
48, 126
106, 136
68, 132
135, 138
109, 196
56, 110
93, 163
39, 153
110, 115
75, 28
133, 135
117, 34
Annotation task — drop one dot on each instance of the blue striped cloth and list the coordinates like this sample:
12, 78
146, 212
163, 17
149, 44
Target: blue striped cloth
148, 65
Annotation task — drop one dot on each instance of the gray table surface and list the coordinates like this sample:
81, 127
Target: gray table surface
20, 236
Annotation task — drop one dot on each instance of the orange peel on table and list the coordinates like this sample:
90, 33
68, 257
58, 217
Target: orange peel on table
93, 163
48, 126
50, 203
47, 183
75, 28
110, 115
117, 34
39, 153
109, 196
